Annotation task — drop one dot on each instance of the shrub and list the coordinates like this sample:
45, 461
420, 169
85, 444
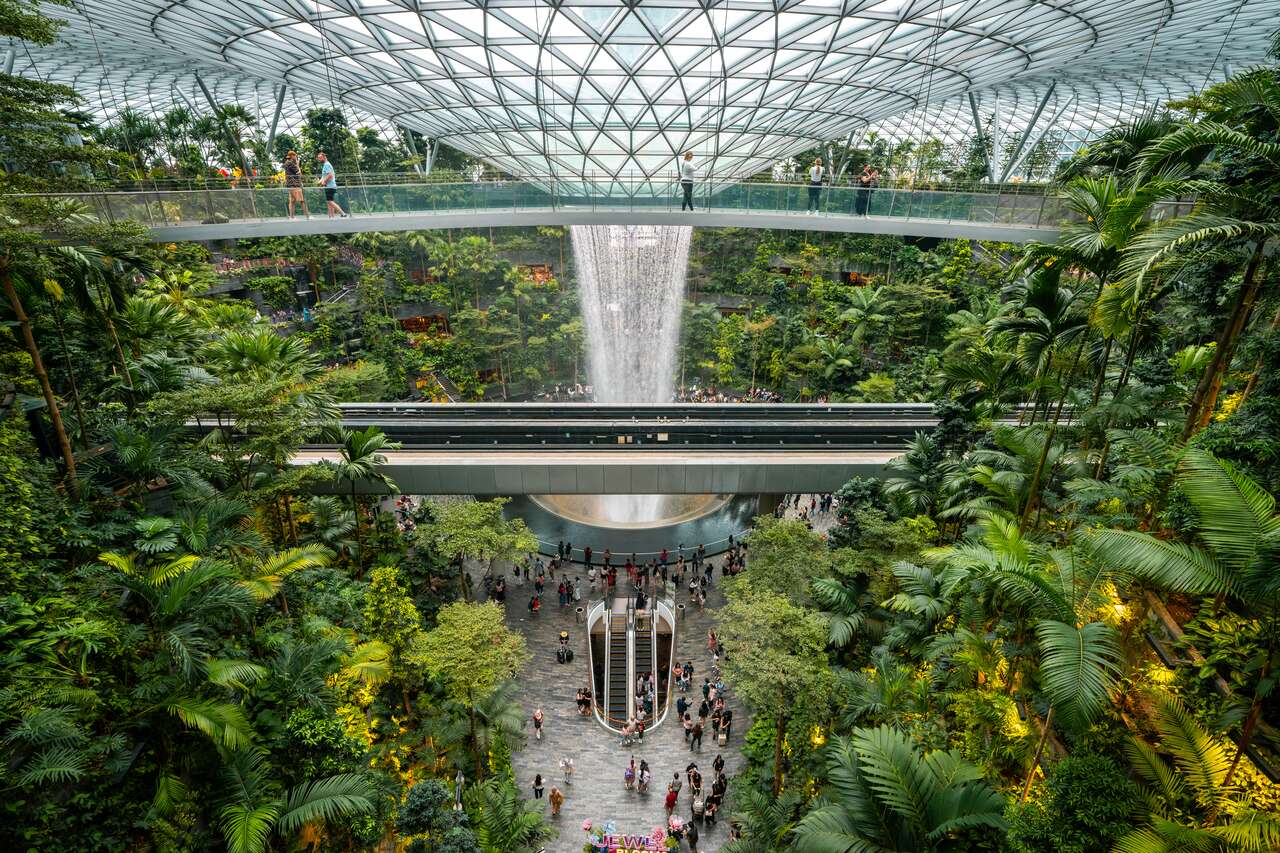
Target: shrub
277, 290
1087, 804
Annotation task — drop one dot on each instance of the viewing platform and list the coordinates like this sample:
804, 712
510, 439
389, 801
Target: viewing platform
1004, 214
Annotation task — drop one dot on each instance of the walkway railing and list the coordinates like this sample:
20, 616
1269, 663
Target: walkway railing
160, 208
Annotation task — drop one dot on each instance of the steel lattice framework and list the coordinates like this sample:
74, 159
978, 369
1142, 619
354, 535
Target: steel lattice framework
610, 87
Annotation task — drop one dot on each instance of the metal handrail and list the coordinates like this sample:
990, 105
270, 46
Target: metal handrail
490, 175
600, 714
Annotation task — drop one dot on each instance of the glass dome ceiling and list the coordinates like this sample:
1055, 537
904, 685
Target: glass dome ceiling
601, 87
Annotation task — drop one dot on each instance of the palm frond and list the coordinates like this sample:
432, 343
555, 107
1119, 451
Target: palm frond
1171, 565
325, 799
56, 764
1079, 667
1234, 514
224, 722
238, 674
247, 827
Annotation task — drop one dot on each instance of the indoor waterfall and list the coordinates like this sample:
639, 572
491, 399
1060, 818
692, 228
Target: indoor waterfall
631, 282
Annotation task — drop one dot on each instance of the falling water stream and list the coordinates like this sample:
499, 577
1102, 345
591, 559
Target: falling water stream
631, 282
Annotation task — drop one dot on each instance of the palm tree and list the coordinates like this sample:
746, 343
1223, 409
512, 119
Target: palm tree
266, 575
849, 609
96, 280
1189, 797
362, 454
502, 822
765, 821
889, 693
867, 314
15, 270
1043, 321
1234, 211
499, 717
918, 475
1060, 589
254, 808
884, 794
1237, 530
331, 524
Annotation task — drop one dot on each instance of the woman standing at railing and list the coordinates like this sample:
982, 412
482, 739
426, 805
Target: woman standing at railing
816, 173
687, 173
293, 184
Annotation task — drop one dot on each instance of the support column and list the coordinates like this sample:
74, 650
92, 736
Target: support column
1016, 156
977, 128
275, 120
231, 140
413, 149
1035, 140
8, 61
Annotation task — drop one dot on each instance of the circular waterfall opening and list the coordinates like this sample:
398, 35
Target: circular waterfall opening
712, 521
630, 511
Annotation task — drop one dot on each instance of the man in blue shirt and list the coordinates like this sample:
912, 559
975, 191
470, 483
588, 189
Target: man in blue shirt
329, 181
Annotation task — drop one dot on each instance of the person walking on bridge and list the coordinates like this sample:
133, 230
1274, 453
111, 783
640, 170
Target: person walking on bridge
293, 184
329, 181
687, 174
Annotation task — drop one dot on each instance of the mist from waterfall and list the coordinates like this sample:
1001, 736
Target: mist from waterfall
631, 281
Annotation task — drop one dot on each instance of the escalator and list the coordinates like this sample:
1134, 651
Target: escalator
617, 675
644, 652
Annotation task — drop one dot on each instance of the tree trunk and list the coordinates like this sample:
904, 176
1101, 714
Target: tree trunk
355, 508
1206, 396
115, 340
1033, 491
288, 514
313, 272
1255, 711
37, 367
780, 734
71, 379
1102, 371
1257, 367
475, 743
1035, 762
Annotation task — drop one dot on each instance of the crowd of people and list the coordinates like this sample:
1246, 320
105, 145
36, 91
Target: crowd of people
711, 394
807, 508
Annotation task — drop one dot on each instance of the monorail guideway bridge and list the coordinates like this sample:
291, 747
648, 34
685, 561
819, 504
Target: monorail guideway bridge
565, 449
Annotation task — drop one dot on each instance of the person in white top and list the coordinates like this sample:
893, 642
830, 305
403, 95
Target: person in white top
687, 173
815, 184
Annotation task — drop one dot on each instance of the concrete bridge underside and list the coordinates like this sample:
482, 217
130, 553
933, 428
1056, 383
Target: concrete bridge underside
618, 471
567, 215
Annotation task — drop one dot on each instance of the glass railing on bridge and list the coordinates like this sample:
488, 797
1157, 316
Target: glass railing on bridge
1034, 206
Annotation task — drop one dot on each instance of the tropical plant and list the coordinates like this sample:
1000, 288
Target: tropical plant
1192, 804
254, 809
502, 822
1237, 530
362, 454
885, 794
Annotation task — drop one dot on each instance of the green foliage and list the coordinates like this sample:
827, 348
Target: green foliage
785, 557
883, 793
389, 612
277, 290
470, 650
317, 744
1088, 803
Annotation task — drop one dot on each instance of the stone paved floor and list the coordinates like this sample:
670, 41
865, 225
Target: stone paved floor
597, 791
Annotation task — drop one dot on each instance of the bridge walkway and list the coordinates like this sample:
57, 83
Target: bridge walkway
210, 214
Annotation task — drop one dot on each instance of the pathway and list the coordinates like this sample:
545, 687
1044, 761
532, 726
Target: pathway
597, 792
